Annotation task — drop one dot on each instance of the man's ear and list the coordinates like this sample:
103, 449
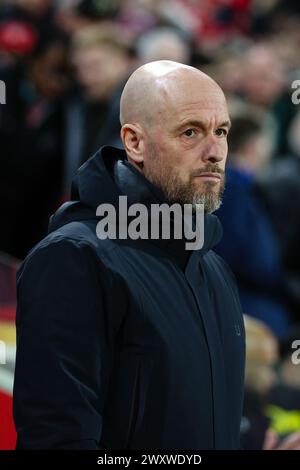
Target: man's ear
134, 144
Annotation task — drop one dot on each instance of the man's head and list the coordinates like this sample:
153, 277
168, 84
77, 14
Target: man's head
174, 130
250, 145
163, 43
101, 60
263, 75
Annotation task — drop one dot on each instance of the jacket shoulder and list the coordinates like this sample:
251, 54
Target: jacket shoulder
77, 233
71, 242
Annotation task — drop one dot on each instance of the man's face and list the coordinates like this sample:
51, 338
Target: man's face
100, 69
186, 148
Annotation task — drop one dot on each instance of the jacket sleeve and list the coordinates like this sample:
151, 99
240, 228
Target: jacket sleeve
64, 348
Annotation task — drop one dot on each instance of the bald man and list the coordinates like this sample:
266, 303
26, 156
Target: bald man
127, 341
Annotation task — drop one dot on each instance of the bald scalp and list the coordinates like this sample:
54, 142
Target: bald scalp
152, 87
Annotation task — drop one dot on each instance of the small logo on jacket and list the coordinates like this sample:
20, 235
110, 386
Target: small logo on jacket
237, 329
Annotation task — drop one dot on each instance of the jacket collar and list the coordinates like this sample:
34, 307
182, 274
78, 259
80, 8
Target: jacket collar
108, 175
139, 190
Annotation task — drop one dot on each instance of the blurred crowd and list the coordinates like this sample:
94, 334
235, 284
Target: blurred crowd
64, 64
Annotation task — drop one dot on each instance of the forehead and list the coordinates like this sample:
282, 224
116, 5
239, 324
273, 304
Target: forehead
205, 111
203, 101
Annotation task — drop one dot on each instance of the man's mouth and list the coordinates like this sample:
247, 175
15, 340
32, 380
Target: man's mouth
209, 176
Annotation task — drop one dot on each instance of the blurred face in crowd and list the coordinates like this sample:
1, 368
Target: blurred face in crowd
263, 76
178, 135
254, 155
261, 356
261, 154
100, 69
38, 7
229, 74
162, 43
49, 72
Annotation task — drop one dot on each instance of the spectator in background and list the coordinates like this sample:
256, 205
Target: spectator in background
39, 13
269, 419
17, 41
227, 68
102, 62
272, 395
261, 356
280, 191
288, 369
249, 244
33, 64
138, 16
263, 75
265, 83
78, 14
163, 43
39, 147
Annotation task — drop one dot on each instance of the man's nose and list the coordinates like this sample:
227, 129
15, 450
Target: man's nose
213, 153
213, 157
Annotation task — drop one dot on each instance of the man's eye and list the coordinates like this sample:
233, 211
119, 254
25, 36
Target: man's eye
221, 132
189, 132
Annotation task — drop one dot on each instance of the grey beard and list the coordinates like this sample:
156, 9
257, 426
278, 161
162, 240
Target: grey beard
182, 193
211, 202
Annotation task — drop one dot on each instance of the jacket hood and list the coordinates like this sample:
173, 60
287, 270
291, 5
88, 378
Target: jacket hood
108, 175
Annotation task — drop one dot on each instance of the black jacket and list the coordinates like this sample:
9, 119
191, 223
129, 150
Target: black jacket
125, 344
